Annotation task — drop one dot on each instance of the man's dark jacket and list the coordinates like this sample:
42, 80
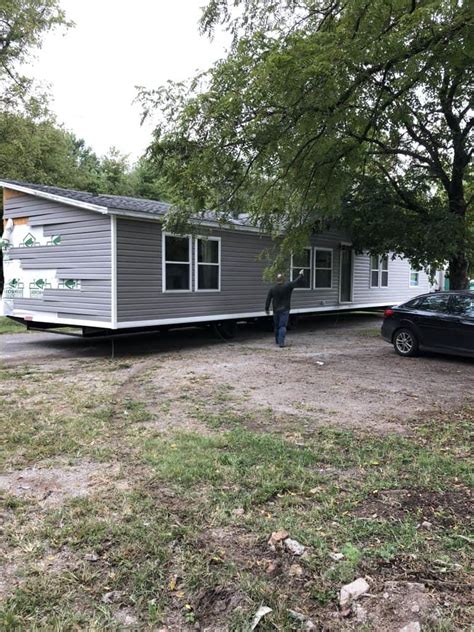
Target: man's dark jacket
280, 294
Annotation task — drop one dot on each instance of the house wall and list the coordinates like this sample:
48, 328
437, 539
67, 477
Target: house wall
71, 249
139, 278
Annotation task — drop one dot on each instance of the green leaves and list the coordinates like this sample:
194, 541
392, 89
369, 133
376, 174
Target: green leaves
22, 26
315, 99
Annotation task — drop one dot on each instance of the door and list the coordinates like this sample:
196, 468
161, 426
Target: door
346, 274
461, 308
433, 321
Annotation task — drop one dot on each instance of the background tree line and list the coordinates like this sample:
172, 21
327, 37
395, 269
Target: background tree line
34, 147
357, 114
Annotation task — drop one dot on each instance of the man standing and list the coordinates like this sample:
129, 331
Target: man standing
280, 296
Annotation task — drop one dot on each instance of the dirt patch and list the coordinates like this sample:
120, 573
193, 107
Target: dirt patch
214, 606
236, 545
52, 486
443, 509
336, 376
400, 604
335, 371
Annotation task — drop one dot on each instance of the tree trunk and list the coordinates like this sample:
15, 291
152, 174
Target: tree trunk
458, 265
458, 278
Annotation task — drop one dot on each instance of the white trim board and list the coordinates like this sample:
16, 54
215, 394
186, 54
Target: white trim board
113, 263
55, 198
46, 318
211, 318
196, 222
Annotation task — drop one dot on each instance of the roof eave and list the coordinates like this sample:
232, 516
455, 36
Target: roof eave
196, 222
55, 198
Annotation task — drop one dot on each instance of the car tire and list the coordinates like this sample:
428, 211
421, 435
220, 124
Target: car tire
405, 342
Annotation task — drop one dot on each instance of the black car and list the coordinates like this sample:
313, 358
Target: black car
440, 321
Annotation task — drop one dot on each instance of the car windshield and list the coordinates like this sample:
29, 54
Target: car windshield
462, 305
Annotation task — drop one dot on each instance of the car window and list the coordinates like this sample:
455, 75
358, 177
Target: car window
413, 303
435, 303
462, 305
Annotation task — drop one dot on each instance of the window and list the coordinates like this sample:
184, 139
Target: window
435, 303
322, 268
414, 303
302, 262
414, 278
177, 263
384, 271
462, 305
208, 264
378, 271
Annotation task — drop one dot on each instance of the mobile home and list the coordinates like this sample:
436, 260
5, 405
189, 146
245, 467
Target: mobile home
103, 262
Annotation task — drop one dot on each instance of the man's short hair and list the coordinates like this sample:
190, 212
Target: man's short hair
280, 276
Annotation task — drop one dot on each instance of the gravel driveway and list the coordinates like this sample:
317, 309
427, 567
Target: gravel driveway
336, 370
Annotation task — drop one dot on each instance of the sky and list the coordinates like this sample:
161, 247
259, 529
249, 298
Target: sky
92, 68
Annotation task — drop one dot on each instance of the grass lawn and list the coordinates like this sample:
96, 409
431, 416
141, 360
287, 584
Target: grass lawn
147, 525
8, 326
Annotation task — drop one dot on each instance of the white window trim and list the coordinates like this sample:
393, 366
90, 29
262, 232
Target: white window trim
197, 264
417, 272
310, 268
164, 262
349, 245
384, 287
379, 270
331, 250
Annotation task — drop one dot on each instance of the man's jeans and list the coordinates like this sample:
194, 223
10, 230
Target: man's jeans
280, 321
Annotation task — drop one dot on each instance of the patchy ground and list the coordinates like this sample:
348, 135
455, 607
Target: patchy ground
336, 370
141, 492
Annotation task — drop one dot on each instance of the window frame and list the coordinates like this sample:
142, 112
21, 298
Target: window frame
164, 262
417, 272
315, 269
452, 299
197, 263
435, 296
310, 268
379, 269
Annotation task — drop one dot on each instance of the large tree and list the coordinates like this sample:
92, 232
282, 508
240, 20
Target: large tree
356, 112
23, 24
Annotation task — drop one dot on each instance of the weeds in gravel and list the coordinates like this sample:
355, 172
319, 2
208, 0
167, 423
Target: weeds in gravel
186, 537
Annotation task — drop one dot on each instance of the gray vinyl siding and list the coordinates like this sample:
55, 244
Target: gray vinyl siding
139, 277
84, 253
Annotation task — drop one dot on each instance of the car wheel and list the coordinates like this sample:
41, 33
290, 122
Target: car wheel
405, 342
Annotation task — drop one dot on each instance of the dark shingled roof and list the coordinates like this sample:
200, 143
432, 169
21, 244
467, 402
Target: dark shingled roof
120, 202
109, 201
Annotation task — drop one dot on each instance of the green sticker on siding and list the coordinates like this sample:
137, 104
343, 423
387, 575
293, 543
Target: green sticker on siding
13, 289
69, 284
29, 241
38, 286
